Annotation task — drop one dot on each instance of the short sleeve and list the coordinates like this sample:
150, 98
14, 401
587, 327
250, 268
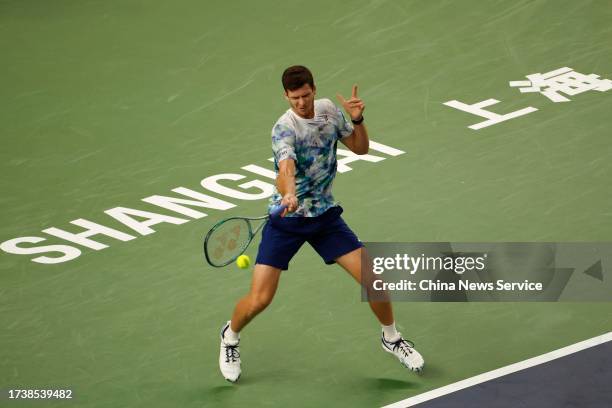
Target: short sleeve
283, 142
345, 127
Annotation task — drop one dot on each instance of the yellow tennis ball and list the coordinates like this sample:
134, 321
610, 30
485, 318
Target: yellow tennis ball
243, 261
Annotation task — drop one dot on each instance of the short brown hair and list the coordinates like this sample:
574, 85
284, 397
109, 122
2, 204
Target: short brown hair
296, 77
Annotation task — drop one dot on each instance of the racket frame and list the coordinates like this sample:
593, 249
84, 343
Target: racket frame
252, 233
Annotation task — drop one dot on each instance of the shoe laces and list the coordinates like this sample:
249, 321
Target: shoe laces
231, 353
403, 345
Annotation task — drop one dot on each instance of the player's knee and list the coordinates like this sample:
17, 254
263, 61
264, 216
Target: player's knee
259, 301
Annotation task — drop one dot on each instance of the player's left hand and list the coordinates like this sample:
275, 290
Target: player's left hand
353, 106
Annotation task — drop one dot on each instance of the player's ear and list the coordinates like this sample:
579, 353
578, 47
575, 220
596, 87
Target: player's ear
286, 95
314, 89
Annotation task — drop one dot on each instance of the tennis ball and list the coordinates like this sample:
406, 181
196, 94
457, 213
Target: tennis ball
243, 261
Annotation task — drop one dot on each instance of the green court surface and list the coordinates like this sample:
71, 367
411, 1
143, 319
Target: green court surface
105, 103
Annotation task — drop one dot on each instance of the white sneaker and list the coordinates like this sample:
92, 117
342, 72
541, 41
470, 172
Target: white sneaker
404, 351
229, 357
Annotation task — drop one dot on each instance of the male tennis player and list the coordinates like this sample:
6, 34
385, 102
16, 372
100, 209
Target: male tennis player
304, 142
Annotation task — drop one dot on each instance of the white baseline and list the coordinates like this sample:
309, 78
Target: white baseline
512, 368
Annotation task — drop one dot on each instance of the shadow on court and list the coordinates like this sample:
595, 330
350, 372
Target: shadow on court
220, 391
432, 372
387, 384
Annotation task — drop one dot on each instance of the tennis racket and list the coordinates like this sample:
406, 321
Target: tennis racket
229, 238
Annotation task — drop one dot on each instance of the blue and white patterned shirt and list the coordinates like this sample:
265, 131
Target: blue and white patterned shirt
312, 144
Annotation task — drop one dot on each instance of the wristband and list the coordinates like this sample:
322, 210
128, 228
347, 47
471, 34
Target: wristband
358, 121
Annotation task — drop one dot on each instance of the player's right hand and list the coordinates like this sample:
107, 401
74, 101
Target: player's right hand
291, 201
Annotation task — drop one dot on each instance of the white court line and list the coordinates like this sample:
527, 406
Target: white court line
512, 368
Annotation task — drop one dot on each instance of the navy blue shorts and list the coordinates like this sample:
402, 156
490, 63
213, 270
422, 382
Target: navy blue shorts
328, 234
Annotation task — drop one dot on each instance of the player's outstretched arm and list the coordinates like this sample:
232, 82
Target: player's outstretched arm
285, 183
358, 142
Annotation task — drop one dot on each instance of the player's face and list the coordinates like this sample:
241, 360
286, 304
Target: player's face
302, 101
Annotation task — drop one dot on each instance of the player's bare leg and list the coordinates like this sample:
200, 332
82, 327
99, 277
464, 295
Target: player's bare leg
263, 287
351, 262
392, 341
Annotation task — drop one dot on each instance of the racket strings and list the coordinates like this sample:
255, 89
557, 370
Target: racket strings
227, 241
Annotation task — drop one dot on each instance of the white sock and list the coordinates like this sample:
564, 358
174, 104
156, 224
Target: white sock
390, 332
231, 336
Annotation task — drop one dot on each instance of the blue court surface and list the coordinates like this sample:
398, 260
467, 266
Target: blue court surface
576, 376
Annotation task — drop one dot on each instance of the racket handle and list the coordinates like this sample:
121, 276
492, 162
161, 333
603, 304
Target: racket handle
277, 210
